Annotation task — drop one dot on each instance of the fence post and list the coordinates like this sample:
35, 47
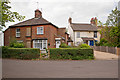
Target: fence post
117, 51
100, 48
107, 49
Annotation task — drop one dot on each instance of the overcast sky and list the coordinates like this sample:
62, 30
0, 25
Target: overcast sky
58, 11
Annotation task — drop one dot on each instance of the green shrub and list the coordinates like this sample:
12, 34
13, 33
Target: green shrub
102, 41
64, 45
20, 53
83, 46
71, 53
16, 44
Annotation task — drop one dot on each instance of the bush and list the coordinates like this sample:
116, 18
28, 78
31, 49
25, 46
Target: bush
16, 44
71, 53
102, 41
63, 45
20, 53
83, 46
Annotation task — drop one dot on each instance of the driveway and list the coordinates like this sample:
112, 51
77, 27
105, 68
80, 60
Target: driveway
105, 55
60, 69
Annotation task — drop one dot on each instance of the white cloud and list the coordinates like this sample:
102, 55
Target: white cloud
58, 12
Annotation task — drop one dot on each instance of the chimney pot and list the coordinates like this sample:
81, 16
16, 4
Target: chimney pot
70, 20
38, 13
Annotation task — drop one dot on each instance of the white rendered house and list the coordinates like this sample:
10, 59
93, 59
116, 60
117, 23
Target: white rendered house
83, 33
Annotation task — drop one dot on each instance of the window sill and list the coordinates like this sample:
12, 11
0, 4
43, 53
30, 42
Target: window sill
39, 34
17, 37
28, 36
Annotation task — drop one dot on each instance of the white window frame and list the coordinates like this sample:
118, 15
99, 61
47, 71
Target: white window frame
20, 41
17, 33
38, 42
40, 32
78, 35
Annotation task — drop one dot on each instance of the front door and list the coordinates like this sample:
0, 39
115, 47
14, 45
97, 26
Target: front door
91, 43
57, 44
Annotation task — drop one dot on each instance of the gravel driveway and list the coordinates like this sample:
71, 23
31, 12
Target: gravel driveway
105, 55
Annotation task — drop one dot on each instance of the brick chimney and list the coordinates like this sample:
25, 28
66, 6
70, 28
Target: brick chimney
38, 13
93, 21
70, 20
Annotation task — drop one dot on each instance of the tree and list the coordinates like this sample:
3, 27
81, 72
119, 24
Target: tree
111, 31
113, 18
6, 15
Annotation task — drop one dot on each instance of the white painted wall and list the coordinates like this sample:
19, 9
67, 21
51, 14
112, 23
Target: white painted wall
70, 32
1, 39
85, 34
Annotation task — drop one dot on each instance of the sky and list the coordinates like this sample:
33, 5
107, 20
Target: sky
58, 11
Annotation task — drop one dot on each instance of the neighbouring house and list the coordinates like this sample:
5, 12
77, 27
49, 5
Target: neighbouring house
36, 33
83, 33
1, 38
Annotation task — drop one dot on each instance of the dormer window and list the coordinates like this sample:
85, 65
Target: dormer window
40, 30
18, 32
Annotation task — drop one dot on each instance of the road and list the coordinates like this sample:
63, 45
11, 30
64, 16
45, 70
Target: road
60, 69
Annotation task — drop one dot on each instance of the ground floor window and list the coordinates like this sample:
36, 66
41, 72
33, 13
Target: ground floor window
42, 44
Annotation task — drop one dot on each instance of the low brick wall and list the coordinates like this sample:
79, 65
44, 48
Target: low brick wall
113, 50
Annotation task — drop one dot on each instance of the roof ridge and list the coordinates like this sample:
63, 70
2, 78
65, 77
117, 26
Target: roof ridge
82, 23
22, 21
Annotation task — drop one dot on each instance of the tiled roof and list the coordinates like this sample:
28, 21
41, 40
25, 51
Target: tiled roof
83, 27
33, 21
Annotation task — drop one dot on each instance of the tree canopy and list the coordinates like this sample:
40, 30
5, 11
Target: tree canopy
111, 30
6, 15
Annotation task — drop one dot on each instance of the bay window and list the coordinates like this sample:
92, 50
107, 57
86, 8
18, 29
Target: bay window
42, 44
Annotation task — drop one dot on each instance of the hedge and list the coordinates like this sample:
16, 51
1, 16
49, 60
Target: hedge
71, 53
20, 53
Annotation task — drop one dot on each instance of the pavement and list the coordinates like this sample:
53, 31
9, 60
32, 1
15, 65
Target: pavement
104, 56
59, 68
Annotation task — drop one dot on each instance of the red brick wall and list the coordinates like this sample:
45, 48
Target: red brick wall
6, 37
61, 32
49, 33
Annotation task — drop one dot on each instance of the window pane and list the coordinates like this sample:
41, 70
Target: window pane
18, 30
78, 34
17, 34
39, 30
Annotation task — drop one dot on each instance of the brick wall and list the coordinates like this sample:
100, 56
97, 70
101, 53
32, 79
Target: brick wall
61, 32
49, 33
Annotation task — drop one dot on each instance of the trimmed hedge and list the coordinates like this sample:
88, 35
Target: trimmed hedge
71, 53
20, 53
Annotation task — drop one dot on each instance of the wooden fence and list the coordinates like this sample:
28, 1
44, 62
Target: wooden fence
113, 50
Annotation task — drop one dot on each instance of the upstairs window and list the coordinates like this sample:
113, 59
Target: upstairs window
95, 34
40, 30
17, 32
78, 34
28, 31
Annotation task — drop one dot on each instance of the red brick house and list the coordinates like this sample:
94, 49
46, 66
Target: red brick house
36, 33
